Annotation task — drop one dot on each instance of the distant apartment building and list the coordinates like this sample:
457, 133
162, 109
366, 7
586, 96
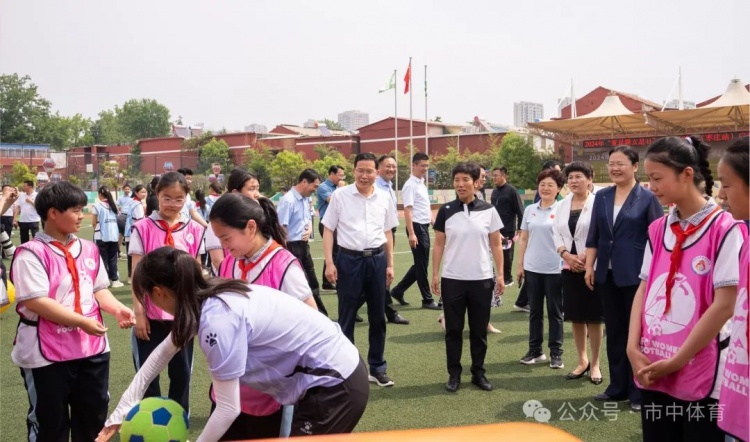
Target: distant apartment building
256, 128
675, 104
353, 119
525, 112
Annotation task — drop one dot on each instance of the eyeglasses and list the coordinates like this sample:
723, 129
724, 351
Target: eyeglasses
617, 165
172, 202
366, 171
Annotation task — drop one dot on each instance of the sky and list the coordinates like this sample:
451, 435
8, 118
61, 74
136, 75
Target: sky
229, 63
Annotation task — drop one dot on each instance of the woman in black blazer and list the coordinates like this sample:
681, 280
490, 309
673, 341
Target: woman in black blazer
615, 245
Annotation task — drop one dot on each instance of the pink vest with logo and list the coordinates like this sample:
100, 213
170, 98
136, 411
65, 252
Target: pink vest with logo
254, 402
692, 294
734, 400
187, 238
59, 343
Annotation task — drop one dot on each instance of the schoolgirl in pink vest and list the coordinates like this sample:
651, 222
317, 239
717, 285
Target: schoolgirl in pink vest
240, 181
734, 397
61, 343
164, 227
250, 230
679, 326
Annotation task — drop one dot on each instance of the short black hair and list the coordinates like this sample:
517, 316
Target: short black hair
61, 196
736, 157
4, 186
419, 156
185, 171
29, 183
469, 168
365, 156
579, 166
309, 175
383, 158
626, 150
334, 169
549, 164
502, 169
555, 174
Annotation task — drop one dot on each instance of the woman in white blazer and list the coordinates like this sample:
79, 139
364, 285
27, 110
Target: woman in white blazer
580, 305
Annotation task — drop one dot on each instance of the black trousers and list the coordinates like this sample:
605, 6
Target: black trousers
390, 312
333, 410
618, 302
67, 400
108, 251
460, 298
508, 259
6, 224
418, 272
130, 259
357, 275
664, 418
27, 228
249, 427
179, 368
541, 286
301, 251
335, 251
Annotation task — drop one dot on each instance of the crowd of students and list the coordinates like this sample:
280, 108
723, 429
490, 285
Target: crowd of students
671, 290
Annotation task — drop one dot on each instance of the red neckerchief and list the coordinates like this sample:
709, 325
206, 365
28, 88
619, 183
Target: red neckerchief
168, 241
70, 262
674, 260
250, 265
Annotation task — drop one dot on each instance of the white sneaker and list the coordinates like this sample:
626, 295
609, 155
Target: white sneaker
116, 284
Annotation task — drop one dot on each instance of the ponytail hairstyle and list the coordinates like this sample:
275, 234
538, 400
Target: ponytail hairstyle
236, 209
679, 153
215, 186
152, 201
180, 273
170, 179
137, 189
103, 191
737, 156
200, 197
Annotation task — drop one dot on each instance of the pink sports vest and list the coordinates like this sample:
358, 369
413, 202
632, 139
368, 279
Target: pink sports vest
734, 399
187, 238
254, 402
57, 342
693, 293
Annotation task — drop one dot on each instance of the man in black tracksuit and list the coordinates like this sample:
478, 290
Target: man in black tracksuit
508, 204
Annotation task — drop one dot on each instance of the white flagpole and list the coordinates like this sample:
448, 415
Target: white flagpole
681, 105
426, 138
411, 120
395, 124
573, 113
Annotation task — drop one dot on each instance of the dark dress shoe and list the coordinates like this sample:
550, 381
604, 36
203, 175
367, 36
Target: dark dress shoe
358, 319
596, 381
432, 306
452, 385
570, 376
635, 407
399, 299
482, 383
398, 319
604, 397
328, 286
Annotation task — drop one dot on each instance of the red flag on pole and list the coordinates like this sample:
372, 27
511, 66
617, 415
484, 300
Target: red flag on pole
407, 78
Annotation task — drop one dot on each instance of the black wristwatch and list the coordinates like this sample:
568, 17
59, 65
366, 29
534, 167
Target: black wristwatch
562, 253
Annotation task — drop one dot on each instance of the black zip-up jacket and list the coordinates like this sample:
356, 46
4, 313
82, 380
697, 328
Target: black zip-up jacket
507, 202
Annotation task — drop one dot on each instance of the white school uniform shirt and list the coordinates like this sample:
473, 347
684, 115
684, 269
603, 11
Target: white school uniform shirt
31, 282
415, 195
360, 222
726, 272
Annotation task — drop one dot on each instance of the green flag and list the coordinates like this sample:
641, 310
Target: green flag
391, 84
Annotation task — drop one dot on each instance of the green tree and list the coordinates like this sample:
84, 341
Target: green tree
258, 161
443, 165
331, 125
24, 114
517, 153
64, 132
286, 167
144, 118
330, 157
215, 151
106, 129
21, 173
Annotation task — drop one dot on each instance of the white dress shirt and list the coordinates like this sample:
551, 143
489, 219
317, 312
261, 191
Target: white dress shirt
415, 195
360, 222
